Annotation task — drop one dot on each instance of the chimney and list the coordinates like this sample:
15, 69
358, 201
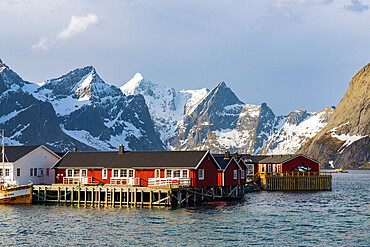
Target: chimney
121, 149
236, 155
74, 149
227, 155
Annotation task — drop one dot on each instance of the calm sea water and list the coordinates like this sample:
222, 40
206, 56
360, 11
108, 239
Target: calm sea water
337, 218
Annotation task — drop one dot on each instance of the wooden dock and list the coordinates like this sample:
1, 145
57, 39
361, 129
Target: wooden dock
131, 196
295, 181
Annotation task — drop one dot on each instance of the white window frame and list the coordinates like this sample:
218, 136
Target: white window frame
69, 171
124, 173
104, 174
157, 173
133, 173
187, 174
7, 172
166, 173
177, 171
235, 172
76, 173
35, 172
83, 171
201, 174
242, 174
115, 171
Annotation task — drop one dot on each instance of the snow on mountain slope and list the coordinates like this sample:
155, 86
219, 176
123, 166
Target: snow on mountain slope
299, 127
166, 106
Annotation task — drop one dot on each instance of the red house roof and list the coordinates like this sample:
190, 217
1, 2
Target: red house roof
132, 159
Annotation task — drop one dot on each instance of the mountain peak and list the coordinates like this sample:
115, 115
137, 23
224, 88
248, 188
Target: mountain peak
129, 87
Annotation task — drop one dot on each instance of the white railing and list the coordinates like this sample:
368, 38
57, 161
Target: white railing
168, 181
128, 181
77, 180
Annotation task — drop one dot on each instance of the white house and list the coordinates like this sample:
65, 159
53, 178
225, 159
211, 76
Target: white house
28, 163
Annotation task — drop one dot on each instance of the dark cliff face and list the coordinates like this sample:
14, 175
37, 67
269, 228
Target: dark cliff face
350, 120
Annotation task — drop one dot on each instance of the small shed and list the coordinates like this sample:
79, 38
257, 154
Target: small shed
231, 173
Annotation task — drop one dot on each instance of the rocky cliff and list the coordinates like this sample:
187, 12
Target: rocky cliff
345, 141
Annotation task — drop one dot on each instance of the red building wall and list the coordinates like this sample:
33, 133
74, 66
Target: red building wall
229, 174
300, 161
144, 176
210, 173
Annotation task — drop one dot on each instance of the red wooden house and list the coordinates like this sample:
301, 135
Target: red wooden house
231, 173
299, 163
140, 168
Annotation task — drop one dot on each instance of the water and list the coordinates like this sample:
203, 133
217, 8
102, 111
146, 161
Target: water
336, 218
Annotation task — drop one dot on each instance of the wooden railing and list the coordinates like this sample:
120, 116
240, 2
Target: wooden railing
169, 181
77, 180
127, 181
288, 174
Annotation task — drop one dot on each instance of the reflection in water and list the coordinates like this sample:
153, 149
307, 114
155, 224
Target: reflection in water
338, 217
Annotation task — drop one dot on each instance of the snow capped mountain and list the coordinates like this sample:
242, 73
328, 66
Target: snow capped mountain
167, 107
92, 112
298, 128
80, 110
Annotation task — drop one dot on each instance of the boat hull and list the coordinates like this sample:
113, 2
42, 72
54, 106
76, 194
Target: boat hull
17, 195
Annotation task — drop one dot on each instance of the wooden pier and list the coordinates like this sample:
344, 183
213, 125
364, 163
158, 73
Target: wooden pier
294, 181
131, 196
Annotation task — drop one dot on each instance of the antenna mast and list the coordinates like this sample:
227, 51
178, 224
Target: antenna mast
3, 155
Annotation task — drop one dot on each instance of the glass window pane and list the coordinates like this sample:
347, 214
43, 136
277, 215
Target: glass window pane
184, 173
130, 173
168, 173
76, 172
176, 173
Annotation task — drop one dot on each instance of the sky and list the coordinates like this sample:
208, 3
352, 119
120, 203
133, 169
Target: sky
291, 54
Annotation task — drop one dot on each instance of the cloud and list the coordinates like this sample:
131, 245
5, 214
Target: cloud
356, 6
77, 25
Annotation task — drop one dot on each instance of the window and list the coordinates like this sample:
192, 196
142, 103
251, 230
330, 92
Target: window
83, 173
76, 172
157, 173
1, 172
18, 172
35, 172
124, 173
31, 172
243, 174
250, 169
269, 168
7, 172
168, 173
115, 173
104, 174
69, 173
249, 161
41, 172
130, 173
235, 174
185, 173
201, 174
176, 173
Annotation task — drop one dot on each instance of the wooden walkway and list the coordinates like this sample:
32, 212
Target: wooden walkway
130, 196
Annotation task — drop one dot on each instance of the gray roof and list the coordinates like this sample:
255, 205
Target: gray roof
222, 162
131, 159
14, 153
277, 159
249, 159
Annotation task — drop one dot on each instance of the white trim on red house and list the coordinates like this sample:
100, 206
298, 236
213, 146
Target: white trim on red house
200, 162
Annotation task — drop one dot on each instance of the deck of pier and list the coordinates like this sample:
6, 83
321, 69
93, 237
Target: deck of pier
132, 196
